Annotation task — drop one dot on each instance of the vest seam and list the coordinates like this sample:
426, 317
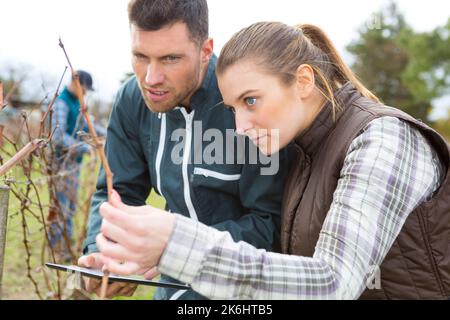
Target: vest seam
407, 268
294, 210
430, 255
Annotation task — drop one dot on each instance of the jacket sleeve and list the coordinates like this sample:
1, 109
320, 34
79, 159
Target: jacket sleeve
262, 196
127, 161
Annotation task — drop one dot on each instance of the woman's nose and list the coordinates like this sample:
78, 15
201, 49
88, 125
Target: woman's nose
244, 122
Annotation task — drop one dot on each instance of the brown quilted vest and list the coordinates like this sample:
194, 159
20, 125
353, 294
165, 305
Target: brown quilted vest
418, 264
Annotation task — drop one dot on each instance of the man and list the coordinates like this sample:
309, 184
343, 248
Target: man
69, 151
174, 96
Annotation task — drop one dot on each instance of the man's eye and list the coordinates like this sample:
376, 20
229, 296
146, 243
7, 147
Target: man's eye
139, 56
250, 101
171, 58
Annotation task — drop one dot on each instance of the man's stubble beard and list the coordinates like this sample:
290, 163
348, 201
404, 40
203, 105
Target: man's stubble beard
177, 101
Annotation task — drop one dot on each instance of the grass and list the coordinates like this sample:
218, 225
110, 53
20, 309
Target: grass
16, 284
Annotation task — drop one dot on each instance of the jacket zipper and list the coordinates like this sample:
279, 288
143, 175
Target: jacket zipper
160, 152
186, 156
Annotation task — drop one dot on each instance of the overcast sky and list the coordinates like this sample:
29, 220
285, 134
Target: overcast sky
96, 33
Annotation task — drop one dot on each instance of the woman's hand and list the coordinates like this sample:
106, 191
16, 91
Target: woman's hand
132, 239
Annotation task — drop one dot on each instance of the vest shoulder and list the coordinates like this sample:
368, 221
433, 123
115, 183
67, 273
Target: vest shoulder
376, 109
364, 111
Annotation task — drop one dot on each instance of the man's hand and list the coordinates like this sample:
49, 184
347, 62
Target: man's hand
133, 239
115, 289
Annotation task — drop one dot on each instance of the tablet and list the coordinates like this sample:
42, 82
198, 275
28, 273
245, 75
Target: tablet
98, 274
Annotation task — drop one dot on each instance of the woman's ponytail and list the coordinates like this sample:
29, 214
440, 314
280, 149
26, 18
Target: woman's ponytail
280, 49
342, 72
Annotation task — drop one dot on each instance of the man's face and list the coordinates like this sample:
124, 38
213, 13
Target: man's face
168, 65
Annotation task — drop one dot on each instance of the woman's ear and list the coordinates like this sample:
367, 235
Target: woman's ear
305, 80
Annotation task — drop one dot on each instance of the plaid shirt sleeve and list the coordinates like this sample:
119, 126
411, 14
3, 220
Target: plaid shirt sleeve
61, 138
389, 170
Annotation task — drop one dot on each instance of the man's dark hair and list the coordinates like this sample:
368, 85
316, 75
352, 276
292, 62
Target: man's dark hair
153, 15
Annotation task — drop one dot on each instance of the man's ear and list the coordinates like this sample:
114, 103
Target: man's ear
207, 50
305, 80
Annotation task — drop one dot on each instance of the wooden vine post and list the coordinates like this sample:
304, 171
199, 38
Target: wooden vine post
1, 96
4, 197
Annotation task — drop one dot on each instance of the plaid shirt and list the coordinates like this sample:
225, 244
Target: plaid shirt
64, 139
389, 170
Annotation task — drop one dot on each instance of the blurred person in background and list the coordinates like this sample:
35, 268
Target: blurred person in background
69, 122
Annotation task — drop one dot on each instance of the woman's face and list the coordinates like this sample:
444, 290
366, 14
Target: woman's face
269, 112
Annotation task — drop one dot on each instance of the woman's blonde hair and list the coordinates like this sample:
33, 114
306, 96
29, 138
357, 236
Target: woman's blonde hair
280, 49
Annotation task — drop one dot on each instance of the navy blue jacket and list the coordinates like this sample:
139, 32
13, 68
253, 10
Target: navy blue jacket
161, 151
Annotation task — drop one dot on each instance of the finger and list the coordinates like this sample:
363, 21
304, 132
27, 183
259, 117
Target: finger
115, 233
114, 289
127, 291
118, 217
91, 261
113, 250
151, 274
98, 292
116, 201
91, 285
86, 261
123, 269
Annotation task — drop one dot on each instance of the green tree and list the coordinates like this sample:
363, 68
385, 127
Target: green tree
428, 73
443, 126
404, 68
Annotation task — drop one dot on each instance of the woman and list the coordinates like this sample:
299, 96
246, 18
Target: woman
366, 212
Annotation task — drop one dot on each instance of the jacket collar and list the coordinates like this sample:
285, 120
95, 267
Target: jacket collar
209, 84
208, 91
323, 125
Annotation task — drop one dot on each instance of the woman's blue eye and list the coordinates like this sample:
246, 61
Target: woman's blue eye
250, 101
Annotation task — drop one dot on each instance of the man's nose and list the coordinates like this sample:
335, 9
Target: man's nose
154, 76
